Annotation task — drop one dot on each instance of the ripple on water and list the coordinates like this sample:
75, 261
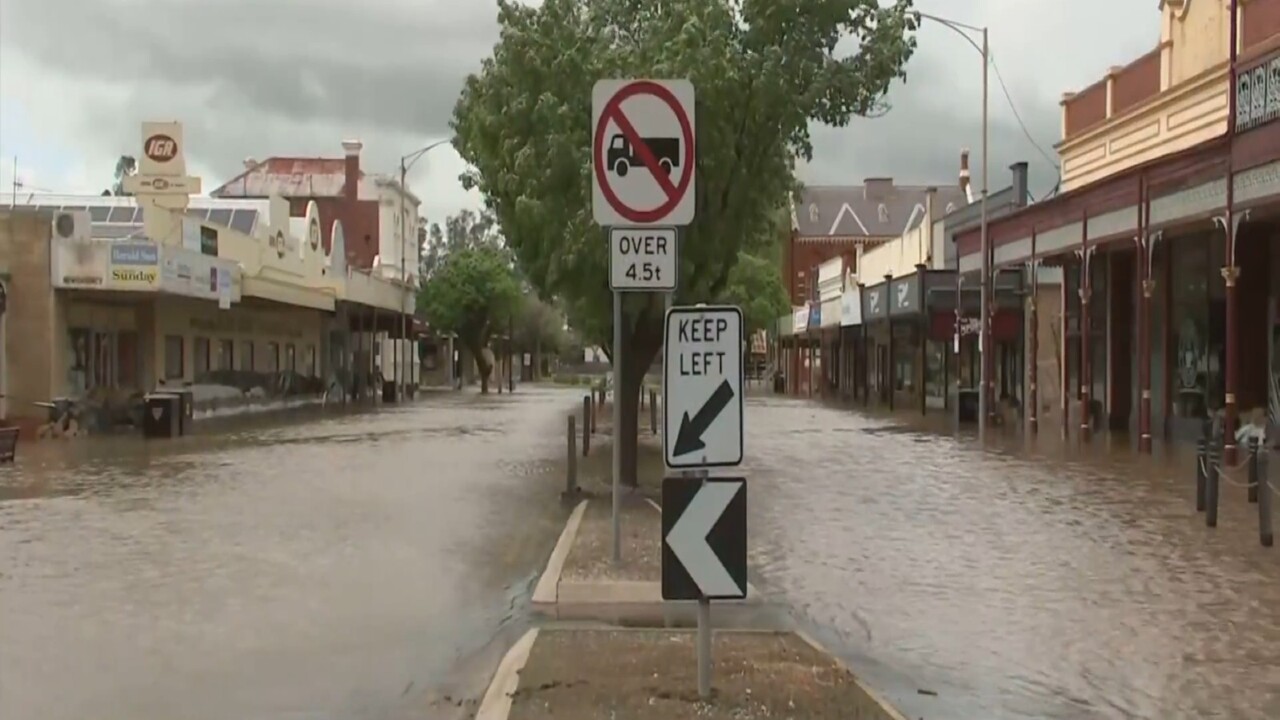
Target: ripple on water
1017, 585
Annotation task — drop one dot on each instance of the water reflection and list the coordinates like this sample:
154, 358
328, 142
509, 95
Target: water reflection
321, 567
1014, 584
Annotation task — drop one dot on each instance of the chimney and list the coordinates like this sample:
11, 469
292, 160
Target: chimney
351, 171
877, 188
1019, 184
965, 186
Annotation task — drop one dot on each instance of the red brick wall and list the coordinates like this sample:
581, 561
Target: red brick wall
1087, 109
1261, 22
1136, 83
359, 225
806, 256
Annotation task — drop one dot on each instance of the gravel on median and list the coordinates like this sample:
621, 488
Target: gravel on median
591, 559
652, 675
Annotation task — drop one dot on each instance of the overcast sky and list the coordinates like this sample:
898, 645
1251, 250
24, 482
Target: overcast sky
255, 78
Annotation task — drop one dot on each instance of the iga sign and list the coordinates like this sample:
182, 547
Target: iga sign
642, 152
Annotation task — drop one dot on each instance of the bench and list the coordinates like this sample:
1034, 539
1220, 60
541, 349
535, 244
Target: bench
8, 444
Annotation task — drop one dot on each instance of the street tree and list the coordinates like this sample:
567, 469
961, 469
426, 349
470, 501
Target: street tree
471, 287
763, 71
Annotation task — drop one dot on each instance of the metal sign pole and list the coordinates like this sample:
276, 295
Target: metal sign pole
617, 427
704, 632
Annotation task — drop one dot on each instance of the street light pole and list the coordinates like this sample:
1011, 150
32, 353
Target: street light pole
406, 162
986, 371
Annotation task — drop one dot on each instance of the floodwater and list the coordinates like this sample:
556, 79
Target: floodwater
330, 565
1013, 584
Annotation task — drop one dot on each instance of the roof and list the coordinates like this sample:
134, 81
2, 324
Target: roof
828, 211
290, 177
116, 217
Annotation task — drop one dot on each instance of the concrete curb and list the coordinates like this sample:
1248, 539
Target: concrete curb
889, 710
496, 704
547, 591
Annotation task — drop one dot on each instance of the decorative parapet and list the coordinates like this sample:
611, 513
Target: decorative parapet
1186, 115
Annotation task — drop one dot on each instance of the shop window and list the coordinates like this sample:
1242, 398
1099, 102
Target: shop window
290, 358
174, 361
905, 342
127, 370
226, 354
935, 372
1189, 285
246, 355
311, 368
201, 358
273, 357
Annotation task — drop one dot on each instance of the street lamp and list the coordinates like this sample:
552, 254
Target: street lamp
984, 326
406, 162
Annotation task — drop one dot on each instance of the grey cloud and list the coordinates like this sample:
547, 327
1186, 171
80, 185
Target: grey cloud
396, 67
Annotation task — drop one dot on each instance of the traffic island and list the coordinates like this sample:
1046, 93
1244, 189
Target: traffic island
581, 581
584, 674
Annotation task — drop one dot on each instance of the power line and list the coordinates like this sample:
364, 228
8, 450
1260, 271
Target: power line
1025, 130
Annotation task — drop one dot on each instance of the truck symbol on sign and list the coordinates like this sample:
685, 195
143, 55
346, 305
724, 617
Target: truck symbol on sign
622, 155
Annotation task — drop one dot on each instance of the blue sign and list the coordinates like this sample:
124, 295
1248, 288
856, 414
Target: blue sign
815, 315
134, 254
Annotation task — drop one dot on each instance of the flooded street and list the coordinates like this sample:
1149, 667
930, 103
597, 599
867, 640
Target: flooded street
1013, 585
330, 565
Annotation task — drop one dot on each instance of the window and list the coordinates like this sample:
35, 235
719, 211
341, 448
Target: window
201, 357
246, 355
226, 352
273, 357
813, 212
174, 362
884, 213
311, 369
290, 358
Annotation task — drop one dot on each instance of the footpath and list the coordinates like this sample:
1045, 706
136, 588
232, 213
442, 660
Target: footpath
608, 646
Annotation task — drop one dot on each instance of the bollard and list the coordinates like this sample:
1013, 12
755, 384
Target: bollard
571, 475
1264, 507
588, 419
1253, 469
1211, 488
1202, 468
653, 411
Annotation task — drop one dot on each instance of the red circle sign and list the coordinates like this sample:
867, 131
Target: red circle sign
613, 112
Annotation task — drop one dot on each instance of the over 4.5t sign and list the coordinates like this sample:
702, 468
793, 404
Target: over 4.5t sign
642, 152
702, 387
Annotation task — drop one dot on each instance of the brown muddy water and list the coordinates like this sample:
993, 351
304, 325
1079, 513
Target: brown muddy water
325, 565
1011, 583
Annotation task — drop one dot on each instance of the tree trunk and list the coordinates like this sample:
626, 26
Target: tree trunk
640, 345
483, 366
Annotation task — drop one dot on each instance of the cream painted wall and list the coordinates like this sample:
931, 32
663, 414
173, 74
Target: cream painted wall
899, 256
191, 319
1190, 109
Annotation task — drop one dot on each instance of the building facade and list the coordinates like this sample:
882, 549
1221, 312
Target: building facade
1166, 233
114, 297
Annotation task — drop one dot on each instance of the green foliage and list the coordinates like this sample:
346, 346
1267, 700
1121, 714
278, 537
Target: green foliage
762, 69
756, 286
540, 325
469, 283
470, 290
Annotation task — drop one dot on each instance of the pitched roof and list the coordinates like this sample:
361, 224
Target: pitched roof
289, 177
878, 209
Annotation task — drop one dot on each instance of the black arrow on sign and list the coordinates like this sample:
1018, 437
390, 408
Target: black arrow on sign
689, 438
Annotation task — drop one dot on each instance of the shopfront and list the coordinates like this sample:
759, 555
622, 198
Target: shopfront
851, 345
877, 335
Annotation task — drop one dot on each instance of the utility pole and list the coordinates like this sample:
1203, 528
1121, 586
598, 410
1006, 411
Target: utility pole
406, 301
